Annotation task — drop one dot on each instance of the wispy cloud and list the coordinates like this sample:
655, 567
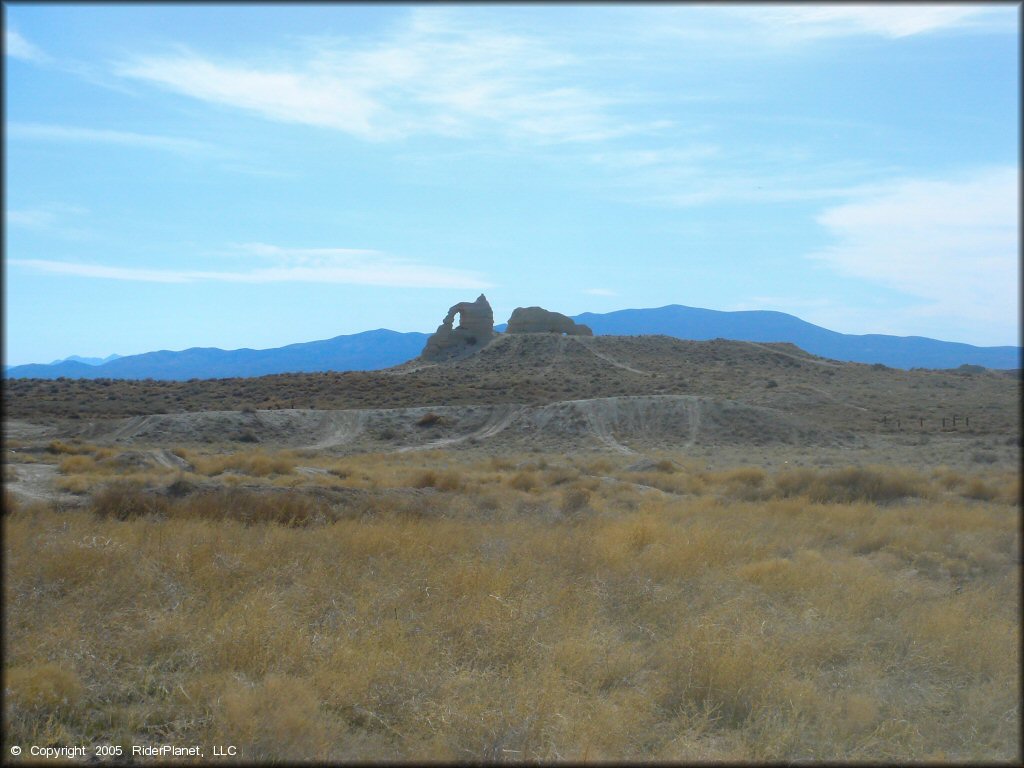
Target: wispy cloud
952, 242
308, 265
52, 219
435, 75
600, 292
741, 30
18, 47
892, 20
702, 174
30, 219
64, 133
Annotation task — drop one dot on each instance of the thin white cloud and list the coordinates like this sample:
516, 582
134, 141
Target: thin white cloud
17, 47
63, 133
600, 292
53, 219
436, 75
702, 174
309, 265
951, 242
890, 20
101, 271
30, 219
739, 30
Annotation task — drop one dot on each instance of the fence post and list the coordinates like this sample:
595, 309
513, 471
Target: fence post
920, 422
943, 423
967, 421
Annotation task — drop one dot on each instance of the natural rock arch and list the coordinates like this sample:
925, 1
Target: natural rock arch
476, 328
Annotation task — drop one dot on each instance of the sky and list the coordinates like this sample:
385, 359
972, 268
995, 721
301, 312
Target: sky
260, 175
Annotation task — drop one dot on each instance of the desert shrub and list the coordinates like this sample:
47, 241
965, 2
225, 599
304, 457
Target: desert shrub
248, 436
984, 457
443, 481
295, 510
868, 484
851, 484
43, 687
255, 463
978, 489
665, 465
524, 481
948, 478
124, 500
11, 502
57, 447
77, 464
744, 483
76, 484
559, 475
278, 719
574, 500
429, 420
678, 482
599, 466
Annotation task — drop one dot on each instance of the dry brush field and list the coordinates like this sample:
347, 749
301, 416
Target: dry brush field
447, 606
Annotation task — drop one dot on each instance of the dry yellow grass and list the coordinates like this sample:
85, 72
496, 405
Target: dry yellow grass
521, 608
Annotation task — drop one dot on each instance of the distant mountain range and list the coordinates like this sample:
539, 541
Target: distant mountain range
382, 348
359, 352
86, 360
762, 325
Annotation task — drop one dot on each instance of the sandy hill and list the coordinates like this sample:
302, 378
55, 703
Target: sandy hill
598, 391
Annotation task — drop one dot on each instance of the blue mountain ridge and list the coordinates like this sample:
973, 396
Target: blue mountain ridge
383, 348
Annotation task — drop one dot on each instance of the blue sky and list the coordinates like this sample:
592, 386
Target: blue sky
254, 176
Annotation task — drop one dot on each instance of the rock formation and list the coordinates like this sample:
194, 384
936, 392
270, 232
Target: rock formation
475, 329
538, 320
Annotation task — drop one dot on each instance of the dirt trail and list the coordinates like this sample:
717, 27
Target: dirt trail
828, 396
790, 354
693, 414
341, 427
607, 358
37, 482
165, 458
15, 429
498, 421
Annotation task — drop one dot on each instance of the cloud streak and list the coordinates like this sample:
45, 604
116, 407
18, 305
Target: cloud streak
434, 76
17, 47
951, 242
64, 133
798, 22
705, 174
49, 219
310, 265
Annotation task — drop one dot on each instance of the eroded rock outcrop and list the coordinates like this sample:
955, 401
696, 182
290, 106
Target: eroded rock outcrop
476, 328
539, 320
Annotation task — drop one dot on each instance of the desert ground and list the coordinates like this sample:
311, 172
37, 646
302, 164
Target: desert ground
558, 548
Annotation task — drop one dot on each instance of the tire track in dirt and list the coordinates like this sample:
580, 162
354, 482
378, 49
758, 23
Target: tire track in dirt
790, 354
342, 427
607, 358
497, 422
37, 482
693, 409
